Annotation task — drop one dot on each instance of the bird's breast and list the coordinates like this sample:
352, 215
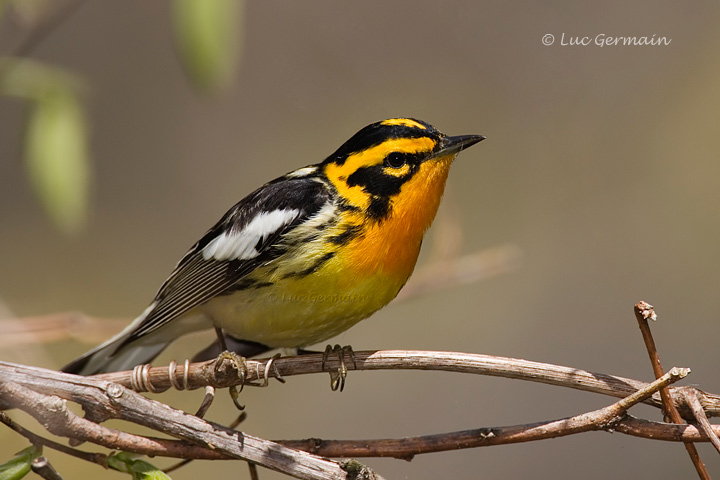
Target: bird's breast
392, 244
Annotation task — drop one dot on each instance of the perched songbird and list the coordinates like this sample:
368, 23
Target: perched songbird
305, 256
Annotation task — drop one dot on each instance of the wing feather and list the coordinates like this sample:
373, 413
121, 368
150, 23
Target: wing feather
252, 231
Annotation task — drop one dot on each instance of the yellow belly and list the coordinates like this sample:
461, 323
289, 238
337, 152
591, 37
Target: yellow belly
297, 312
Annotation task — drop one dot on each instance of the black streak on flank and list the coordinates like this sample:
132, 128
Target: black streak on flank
346, 207
313, 268
344, 237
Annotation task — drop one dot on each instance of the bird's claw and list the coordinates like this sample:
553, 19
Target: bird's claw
240, 365
337, 377
270, 365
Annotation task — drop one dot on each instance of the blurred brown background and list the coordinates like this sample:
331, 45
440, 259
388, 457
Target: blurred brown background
601, 164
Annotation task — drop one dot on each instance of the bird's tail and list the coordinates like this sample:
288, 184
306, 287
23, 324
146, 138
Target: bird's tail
116, 355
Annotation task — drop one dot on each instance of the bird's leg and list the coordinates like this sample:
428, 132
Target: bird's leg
221, 339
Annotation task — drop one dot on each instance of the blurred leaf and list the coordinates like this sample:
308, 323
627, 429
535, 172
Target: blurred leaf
30, 80
19, 466
57, 158
207, 33
55, 144
139, 469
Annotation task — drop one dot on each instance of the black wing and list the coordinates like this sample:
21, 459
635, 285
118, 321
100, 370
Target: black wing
245, 238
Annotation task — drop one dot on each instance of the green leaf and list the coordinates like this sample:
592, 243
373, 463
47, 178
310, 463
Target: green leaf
207, 33
57, 159
55, 143
19, 466
139, 469
31, 80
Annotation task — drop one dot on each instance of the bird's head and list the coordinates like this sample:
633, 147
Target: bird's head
395, 164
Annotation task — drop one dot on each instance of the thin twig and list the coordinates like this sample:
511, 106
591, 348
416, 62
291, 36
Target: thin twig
702, 420
207, 373
36, 439
240, 418
643, 311
42, 467
668, 432
603, 419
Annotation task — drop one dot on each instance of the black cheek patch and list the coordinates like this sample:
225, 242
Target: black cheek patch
380, 186
375, 182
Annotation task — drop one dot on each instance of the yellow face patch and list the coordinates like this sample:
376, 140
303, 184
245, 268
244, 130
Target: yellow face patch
405, 122
356, 195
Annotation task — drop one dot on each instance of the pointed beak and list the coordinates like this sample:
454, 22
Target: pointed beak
454, 145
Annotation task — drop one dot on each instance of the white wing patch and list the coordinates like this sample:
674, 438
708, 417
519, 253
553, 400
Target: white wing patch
241, 245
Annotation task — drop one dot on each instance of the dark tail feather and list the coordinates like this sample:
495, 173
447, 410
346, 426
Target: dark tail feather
117, 354
107, 358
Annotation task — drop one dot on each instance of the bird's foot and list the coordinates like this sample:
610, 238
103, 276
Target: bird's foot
239, 363
338, 376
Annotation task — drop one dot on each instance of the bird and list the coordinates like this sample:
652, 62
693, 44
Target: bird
304, 257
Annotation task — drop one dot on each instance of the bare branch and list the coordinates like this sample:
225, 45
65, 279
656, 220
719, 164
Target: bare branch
224, 375
702, 420
52, 413
103, 400
602, 419
643, 311
668, 432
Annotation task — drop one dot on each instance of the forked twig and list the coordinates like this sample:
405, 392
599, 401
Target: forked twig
643, 312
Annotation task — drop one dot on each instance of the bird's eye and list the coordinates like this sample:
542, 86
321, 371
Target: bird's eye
395, 160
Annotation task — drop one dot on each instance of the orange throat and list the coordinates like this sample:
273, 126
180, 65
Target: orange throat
392, 245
